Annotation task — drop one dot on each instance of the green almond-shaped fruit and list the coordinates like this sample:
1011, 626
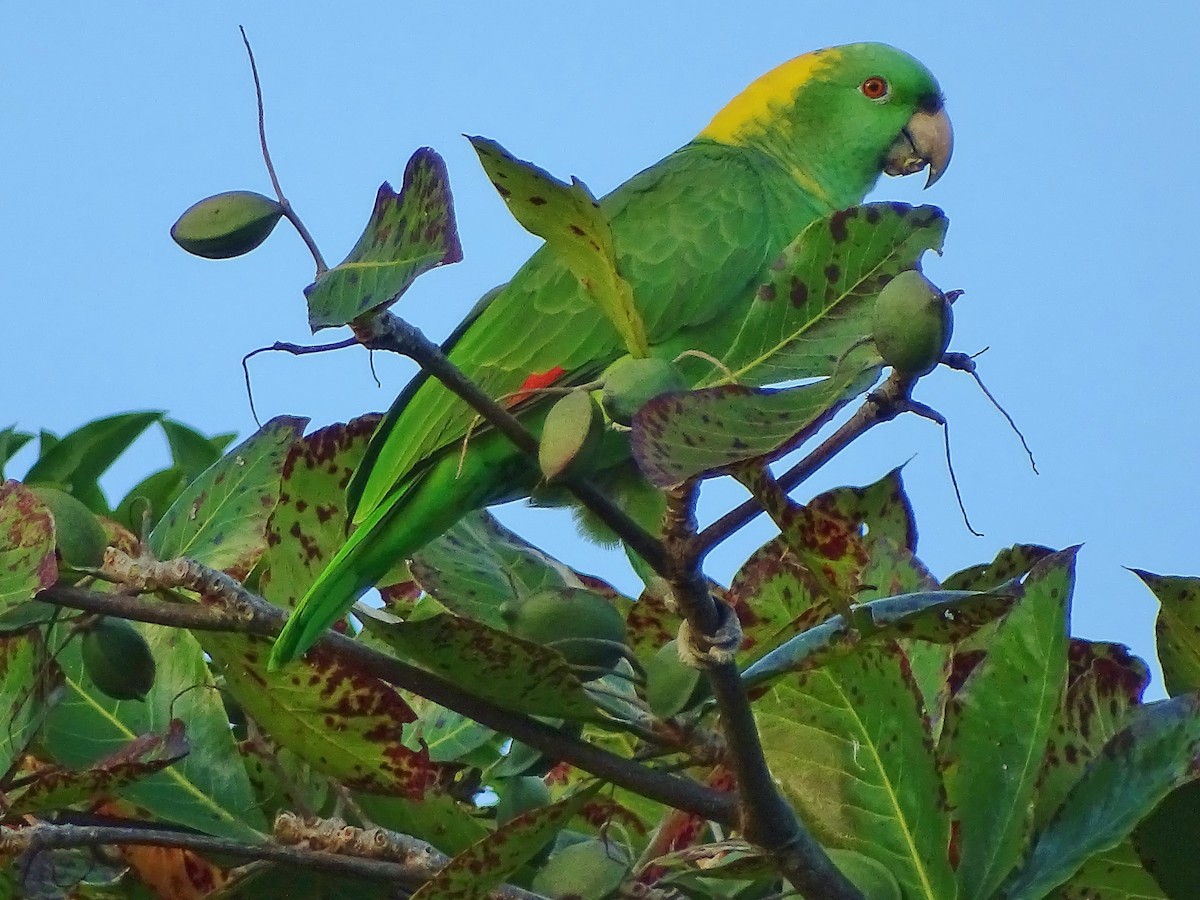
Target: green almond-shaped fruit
913, 324
572, 430
673, 686
582, 626
79, 537
226, 225
117, 658
630, 383
589, 870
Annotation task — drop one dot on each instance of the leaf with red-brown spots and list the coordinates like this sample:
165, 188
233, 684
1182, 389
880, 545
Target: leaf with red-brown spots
569, 219
339, 719
409, 233
1177, 629
493, 664
820, 296
1010, 563
1158, 752
678, 436
308, 525
57, 787
1020, 683
27, 684
1118, 874
473, 873
1104, 686
850, 746
221, 518
27, 561
881, 509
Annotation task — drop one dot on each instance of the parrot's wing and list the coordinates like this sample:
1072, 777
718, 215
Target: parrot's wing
691, 233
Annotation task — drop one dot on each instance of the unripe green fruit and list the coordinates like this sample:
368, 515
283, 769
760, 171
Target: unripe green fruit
521, 794
571, 433
913, 324
580, 625
79, 537
671, 684
118, 659
631, 383
589, 870
226, 225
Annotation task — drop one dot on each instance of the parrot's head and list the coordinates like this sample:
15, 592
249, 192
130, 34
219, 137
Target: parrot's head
838, 118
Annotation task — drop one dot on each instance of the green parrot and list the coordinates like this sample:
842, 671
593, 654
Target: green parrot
694, 235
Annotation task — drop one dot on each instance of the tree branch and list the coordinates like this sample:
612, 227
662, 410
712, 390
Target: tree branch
257, 617
765, 817
389, 332
422, 864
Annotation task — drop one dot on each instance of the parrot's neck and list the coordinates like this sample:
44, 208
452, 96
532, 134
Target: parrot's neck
777, 116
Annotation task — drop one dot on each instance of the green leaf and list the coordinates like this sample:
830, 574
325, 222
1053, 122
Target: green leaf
1018, 683
191, 452
1104, 685
1177, 629
1166, 840
1118, 874
52, 788
409, 233
569, 219
27, 683
81, 457
820, 297
702, 433
850, 747
220, 519
479, 564
1137, 768
342, 721
27, 560
493, 664
11, 441
473, 873
208, 789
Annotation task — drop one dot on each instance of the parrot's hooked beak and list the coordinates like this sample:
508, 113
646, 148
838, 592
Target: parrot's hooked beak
927, 140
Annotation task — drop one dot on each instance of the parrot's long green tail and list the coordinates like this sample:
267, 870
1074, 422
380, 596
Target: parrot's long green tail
393, 531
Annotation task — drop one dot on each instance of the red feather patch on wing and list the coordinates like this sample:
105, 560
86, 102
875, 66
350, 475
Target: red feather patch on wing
535, 382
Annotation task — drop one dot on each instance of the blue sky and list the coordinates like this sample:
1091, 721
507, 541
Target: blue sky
1072, 199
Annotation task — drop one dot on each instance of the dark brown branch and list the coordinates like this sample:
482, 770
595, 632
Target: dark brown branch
880, 406
764, 816
389, 332
288, 212
264, 620
36, 838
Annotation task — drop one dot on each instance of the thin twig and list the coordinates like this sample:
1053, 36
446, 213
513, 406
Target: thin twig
288, 212
264, 620
295, 350
928, 412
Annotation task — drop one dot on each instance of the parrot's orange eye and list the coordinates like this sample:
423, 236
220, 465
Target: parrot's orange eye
874, 88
